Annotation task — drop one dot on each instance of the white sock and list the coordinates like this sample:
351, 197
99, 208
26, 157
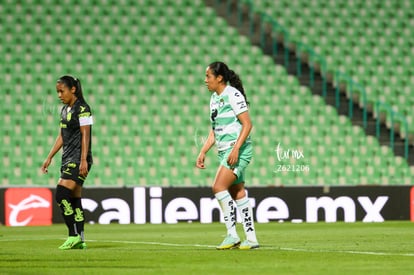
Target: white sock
229, 212
246, 213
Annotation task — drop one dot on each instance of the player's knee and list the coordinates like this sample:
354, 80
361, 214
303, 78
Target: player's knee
216, 188
62, 193
237, 191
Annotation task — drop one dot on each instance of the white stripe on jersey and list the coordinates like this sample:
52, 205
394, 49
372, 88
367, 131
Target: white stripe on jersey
227, 114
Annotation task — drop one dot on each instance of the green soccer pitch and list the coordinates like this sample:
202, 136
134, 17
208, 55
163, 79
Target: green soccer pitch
184, 248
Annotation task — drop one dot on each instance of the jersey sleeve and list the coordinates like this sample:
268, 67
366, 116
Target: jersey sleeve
237, 102
85, 115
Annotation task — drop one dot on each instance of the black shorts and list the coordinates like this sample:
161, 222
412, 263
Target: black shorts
70, 171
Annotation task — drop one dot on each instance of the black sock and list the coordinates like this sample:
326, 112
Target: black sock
79, 217
63, 199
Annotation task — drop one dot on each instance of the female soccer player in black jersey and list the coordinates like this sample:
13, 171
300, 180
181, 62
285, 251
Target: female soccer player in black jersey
75, 138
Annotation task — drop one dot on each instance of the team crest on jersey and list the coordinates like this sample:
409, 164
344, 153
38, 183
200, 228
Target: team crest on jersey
68, 116
221, 103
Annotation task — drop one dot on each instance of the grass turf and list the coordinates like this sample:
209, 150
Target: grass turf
286, 248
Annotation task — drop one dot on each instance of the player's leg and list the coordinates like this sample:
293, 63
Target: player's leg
223, 180
68, 197
246, 212
78, 209
64, 200
239, 194
78, 215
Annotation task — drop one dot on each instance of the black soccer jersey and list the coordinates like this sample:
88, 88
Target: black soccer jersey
71, 119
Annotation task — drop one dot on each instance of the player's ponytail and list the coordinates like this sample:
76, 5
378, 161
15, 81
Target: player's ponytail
71, 82
220, 68
236, 82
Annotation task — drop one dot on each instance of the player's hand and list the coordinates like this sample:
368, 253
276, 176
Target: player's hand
45, 165
200, 161
233, 157
83, 168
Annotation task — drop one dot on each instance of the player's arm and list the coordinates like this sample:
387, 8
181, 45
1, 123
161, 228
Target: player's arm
206, 147
55, 148
86, 136
247, 126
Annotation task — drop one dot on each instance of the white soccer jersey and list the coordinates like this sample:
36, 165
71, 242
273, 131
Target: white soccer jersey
224, 109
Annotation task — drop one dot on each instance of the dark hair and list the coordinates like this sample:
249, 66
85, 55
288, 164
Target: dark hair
71, 82
220, 68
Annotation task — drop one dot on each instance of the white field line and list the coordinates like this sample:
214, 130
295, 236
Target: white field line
265, 247
346, 252
271, 248
156, 243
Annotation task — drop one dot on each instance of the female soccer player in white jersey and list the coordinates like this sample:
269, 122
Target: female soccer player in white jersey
75, 138
230, 132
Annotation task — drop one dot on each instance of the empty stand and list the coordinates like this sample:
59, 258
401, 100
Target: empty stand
370, 41
142, 67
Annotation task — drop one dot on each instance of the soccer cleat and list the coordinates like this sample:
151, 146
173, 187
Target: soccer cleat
246, 244
229, 243
71, 242
81, 245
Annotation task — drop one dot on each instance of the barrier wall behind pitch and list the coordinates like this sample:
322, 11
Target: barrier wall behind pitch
140, 205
